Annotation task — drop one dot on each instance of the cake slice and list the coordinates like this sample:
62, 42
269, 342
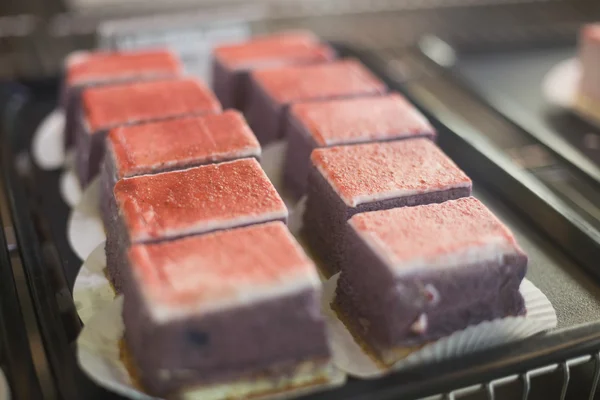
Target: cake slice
239, 308
173, 144
107, 107
233, 62
415, 274
154, 208
588, 97
347, 180
273, 90
94, 68
347, 121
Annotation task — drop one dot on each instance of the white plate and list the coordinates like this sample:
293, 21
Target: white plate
48, 144
70, 189
560, 83
84, 228
4, 388
92, 291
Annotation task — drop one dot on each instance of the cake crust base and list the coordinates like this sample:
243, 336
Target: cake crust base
383, 359
309, 374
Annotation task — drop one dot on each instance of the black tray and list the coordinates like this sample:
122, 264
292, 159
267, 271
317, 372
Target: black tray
40, 218
511, 81
15, 356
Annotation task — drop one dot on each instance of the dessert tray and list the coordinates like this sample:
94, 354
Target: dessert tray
42, 201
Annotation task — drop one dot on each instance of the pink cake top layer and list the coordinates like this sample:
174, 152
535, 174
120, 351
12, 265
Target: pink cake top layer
361, 119
591, 32
220, 270
277, 50
84, 67
197, 200
455, 233
378, 171
177, 143
109, 106
336, 79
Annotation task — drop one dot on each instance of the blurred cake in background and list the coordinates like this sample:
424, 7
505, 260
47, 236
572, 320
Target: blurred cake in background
588, 97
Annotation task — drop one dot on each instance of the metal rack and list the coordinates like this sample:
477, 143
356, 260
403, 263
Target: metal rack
490, 388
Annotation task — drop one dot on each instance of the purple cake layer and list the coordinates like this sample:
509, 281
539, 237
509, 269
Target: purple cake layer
108, 205
116, 246
415, 293
360, 304
195, 359
215, 308
297, 160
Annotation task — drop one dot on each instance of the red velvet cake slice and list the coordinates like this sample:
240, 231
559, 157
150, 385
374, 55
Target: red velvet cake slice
84, 69
232, 62
346, 121
107, 107
173, 144
152, 208
237, 308
274, 90
588, 97
415, 274
347, 180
